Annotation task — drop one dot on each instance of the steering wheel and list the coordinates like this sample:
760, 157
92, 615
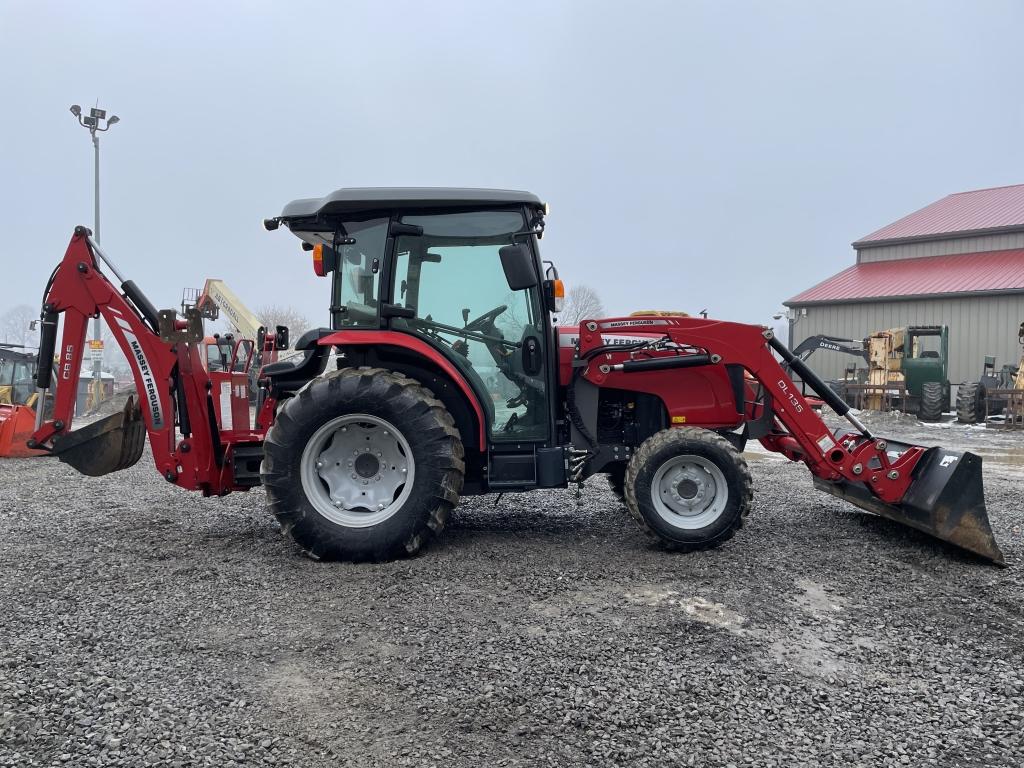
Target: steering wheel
486, 319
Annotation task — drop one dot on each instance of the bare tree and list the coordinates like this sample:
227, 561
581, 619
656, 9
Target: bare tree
273, 315
581, 303
14, 326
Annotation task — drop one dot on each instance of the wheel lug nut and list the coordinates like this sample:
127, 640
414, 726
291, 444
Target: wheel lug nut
354, 476
350, 463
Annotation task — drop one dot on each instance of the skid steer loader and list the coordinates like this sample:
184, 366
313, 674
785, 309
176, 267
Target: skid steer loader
453, 378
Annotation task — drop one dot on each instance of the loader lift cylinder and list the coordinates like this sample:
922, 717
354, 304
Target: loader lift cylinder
820, 388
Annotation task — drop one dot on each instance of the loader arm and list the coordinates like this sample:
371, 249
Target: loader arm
933, 490
177, 406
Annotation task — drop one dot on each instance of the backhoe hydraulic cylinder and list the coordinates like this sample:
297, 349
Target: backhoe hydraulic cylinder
143, 304
47, 343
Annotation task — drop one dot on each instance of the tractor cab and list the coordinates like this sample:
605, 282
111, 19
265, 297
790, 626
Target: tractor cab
17, 376
926, 358
457, 270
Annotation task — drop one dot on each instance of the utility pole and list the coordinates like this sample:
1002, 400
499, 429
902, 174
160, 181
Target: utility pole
97, 122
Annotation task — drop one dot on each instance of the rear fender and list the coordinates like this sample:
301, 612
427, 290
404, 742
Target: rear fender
406, 352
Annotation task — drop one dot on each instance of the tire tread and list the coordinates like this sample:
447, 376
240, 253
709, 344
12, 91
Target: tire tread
664, 439
421, 412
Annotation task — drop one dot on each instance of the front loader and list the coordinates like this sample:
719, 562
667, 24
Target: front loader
453, 378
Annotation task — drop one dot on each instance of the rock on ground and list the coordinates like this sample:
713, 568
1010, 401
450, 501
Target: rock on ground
144, 625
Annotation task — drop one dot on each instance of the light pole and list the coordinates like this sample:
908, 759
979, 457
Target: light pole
97, 122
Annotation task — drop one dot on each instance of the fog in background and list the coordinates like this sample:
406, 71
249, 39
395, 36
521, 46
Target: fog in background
717, 155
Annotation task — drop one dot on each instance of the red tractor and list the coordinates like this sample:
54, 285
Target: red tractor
451, 377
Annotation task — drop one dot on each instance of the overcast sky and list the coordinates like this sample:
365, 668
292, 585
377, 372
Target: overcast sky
694, 154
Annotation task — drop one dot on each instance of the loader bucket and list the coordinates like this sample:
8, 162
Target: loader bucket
112, 443
945, 500
17, 422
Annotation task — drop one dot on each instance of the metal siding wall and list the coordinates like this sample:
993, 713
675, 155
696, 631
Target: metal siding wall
942, 247
978, 326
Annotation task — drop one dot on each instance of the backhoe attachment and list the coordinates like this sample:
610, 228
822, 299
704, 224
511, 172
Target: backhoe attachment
194, 418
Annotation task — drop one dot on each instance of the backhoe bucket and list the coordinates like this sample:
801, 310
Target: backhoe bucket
112, 443
945, 500
17, 422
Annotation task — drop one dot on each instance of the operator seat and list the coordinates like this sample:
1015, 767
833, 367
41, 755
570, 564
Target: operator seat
290, 375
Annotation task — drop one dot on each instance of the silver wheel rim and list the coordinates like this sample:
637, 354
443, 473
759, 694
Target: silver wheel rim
689, 492
357, 470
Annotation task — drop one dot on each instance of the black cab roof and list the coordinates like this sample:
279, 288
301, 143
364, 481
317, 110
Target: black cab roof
356, 199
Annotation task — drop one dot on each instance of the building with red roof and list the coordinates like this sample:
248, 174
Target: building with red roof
957, 262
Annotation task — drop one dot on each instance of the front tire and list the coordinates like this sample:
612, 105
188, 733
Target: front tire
688, 488
363, 464
932, 402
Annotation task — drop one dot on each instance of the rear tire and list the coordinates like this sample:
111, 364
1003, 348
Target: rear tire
688, 488
362, 508
932, 402
970, 402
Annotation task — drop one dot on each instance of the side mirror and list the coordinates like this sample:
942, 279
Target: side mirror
281, 339
517, 262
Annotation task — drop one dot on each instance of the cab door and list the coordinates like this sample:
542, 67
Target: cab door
448, 272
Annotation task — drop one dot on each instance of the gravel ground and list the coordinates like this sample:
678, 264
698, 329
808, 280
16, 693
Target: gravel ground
147, 626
